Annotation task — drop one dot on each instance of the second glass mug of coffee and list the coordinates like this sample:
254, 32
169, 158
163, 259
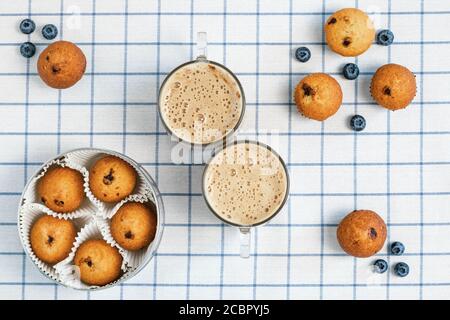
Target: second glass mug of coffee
202, 103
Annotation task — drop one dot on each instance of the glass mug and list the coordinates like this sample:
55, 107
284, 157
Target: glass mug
245, 184
201, 102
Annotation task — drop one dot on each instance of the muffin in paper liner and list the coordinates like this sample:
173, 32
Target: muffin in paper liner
69, 274
29, 214
86, 159
134, 258
91, 219
31, 194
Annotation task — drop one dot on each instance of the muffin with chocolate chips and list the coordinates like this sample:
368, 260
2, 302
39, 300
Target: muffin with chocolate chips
362, 233
393, 86
112, 179
61, 189
99, 263
52, 238
61, 64
318, 96
134, 225
349, 32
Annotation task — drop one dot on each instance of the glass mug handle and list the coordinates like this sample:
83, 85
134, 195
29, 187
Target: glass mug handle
244, 235
202, 44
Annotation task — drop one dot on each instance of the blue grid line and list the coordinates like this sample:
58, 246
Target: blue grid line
293, 225
153, 103
300, 194
388, 167
92, 93
222, 231
222, 284
92, 103
263, 285
289, 164
289, 204
283, 255
322, 173
158, 67
255, 230
25, 169
58, 143
149, 73
212, 13
189, 239
262, 43
421, 149
355, 171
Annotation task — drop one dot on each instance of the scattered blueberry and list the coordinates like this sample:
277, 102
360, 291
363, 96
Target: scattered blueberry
380, 266
357, 123
397, 248
401, 269
351, 71
385, 37
49, 31
302, 54
27, 49
27, 26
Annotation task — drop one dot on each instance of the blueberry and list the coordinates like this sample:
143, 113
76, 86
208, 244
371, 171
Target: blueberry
27, 26
302, 54
357, 123
380, 266
351, 71
27, 49
397, 248
385, 37
49, 31
401, 269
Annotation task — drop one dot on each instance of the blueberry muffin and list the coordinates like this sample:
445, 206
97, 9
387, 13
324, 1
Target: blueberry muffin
112, 179
318, 96
99, 263
349, 32
61, 64
393, 86
61, 189
362, 233
134, 225
52, 238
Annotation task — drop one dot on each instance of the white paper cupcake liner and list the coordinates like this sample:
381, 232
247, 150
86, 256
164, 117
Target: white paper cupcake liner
134, 258
31, 194
69, 274
92, 219
29, 214
87, 158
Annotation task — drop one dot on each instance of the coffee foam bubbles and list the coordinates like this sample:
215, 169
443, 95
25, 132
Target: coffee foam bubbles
245, 183
201, 102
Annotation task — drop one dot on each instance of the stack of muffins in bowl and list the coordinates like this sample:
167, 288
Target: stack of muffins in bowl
91, 218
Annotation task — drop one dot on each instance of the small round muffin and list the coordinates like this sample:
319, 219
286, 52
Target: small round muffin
362, 233
99, 263
61, 64
393, 86
349, 32
134, 226
61, 189
318, 96
112, 179
52, 238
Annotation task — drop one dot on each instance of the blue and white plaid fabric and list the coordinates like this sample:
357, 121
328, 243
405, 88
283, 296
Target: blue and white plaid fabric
399, 166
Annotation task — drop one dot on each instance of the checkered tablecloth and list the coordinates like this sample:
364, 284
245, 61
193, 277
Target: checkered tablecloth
399, 166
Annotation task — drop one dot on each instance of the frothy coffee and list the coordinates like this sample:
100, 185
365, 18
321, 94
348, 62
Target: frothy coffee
245, 184
201, 102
